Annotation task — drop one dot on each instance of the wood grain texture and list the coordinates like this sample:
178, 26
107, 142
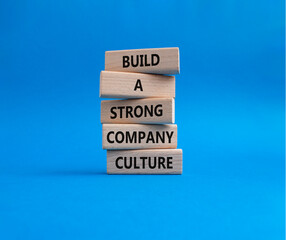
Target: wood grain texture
138, 136
155, 161
122, 85
154, 60
148, 110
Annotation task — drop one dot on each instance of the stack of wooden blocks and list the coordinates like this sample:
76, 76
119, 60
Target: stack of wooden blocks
139, 132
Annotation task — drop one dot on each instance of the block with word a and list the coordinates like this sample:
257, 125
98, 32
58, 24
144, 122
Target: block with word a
135, 85
148, 110
154, 60
138, 136
155, 161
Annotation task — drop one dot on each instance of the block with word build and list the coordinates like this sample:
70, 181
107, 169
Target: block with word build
135, 85
138, 136
155, 161
154, 60
148, 110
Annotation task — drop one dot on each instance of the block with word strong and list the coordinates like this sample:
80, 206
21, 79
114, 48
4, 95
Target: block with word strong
135, 85
154, 161
138, 136
147, 110
154, 60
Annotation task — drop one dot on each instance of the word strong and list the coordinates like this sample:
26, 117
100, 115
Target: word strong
156, 60
158, 161
138, 136
149, 110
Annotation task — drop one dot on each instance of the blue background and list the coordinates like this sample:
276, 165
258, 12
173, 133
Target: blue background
229, 111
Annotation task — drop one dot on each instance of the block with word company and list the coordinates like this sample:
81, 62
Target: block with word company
138, 136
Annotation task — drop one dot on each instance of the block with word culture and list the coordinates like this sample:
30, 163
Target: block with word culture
135, 85
154, 60
138, 136
148, 110
155, 161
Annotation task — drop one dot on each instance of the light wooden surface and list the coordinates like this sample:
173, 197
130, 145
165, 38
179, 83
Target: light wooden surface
156, 161
147, 110
138, 136
126, 85
154, 60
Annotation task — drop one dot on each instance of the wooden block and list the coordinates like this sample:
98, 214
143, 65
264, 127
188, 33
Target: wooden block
154, 60
147, 110
156, 161
135, 85
138, 136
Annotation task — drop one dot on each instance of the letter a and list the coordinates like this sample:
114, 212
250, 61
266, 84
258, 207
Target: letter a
138, 85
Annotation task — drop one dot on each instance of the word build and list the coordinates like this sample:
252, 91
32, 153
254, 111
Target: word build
140, 60
156, 161
136, 85
149, 110
154, 60
138, 136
